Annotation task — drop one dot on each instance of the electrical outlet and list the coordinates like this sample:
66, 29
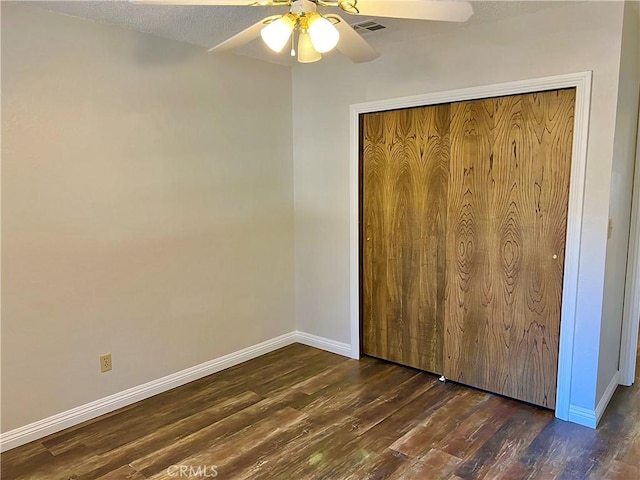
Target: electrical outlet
105, 362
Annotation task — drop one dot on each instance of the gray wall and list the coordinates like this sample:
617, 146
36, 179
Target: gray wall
624, 155
146, 209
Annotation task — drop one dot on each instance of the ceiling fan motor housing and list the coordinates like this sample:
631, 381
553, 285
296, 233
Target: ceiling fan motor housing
301, 7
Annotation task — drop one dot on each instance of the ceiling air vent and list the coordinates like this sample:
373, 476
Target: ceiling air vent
367, 26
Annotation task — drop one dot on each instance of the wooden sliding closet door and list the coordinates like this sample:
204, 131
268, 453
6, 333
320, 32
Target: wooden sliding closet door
506, 228
405, 173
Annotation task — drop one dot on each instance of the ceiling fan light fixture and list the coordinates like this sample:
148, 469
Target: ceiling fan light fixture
277, 33
324, 35
306, 52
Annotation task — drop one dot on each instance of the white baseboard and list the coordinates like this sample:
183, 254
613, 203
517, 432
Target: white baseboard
322, 343
582, 416
42, 428
591, 417
606, 397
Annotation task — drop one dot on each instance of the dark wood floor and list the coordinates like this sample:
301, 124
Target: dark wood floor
300, 413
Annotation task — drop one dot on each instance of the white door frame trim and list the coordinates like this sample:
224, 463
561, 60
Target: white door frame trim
582, 82
631, 312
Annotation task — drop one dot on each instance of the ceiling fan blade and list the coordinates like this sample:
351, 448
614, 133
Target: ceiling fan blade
215, 2
245, 36
351, 43
439, 10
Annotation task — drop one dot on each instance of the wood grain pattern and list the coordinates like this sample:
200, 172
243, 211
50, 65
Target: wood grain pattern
463, 231
507, 219
342, 419
405, 174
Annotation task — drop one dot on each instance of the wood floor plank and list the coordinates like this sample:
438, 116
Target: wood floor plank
355, 449
434, 465
498, 453
548, 454
167, 435
23, 460
352, 394
420, 440
55, 467
211, 434
299, 451
286, 380
465, 440
377, 466
622, 471
601, 448
366, 417
154, 428
218, 455
25, 454
632, 454
340, 372
123, 473
335, 419
285, 447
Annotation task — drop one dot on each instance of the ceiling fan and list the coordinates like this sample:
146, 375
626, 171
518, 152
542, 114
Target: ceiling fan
316, 33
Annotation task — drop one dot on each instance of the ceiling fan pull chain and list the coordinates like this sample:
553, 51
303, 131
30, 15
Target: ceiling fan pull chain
293, 43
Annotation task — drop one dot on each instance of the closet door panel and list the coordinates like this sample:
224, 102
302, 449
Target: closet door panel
506, 230
404, 175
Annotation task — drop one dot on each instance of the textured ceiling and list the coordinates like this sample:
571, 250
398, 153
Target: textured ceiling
209, 25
